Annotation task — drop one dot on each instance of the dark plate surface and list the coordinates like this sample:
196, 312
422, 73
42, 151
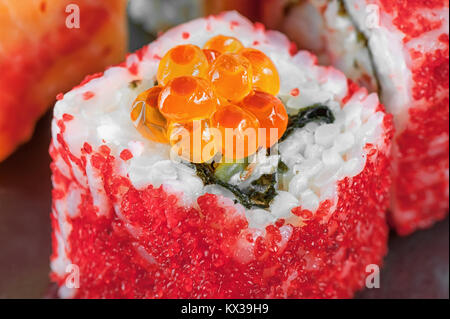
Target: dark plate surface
416, 266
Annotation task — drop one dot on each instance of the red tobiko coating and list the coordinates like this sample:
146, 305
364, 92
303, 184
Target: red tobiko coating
88, 95
426, 125
408, 17
422, 147
126, 155
67, 117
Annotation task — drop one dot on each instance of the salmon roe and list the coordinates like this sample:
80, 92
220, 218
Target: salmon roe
193, 140
187, 98
270, 113
147, 117
217, 99
238, 129
265, 74
231, 76
182, 60
224, 44
211, 55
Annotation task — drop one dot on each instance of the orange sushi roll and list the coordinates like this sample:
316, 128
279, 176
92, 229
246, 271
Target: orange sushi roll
47, 47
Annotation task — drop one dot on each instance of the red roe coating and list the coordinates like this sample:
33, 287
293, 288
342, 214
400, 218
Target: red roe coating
182, 60
415, 155
189, 252
421, 162
295, 92
270, 113
231, 76
426, 124
146, 116
265, 74
224, 44
409, 18
232, 119
187, 98
126, 155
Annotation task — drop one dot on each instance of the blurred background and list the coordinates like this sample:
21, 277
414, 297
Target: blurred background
416, 266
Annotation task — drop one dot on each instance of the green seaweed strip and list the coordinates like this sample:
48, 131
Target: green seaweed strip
134, 84
342, 10
282, 167
260, 193
316, 113
224, 171
206, 173
361, 37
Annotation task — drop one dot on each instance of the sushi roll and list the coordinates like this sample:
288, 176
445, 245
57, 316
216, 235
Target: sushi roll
300, 213
401, 49
47, 47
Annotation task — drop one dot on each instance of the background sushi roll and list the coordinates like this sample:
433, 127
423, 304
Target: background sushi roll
42, 53
401, 49
130, 222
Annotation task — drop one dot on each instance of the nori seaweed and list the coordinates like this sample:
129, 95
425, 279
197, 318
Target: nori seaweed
316, 113
260, 193
342, 10
361, 38
134, 84
248, 198
282, 167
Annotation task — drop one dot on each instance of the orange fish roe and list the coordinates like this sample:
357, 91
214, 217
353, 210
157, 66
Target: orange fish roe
238, 128
182, 60
223, 88
187, 98
270, 113
193, 141
224, 44
231, 76
211, 55
265, 74
222, 101
146, 116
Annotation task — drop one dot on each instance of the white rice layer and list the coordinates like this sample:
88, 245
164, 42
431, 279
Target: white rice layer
318, 156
